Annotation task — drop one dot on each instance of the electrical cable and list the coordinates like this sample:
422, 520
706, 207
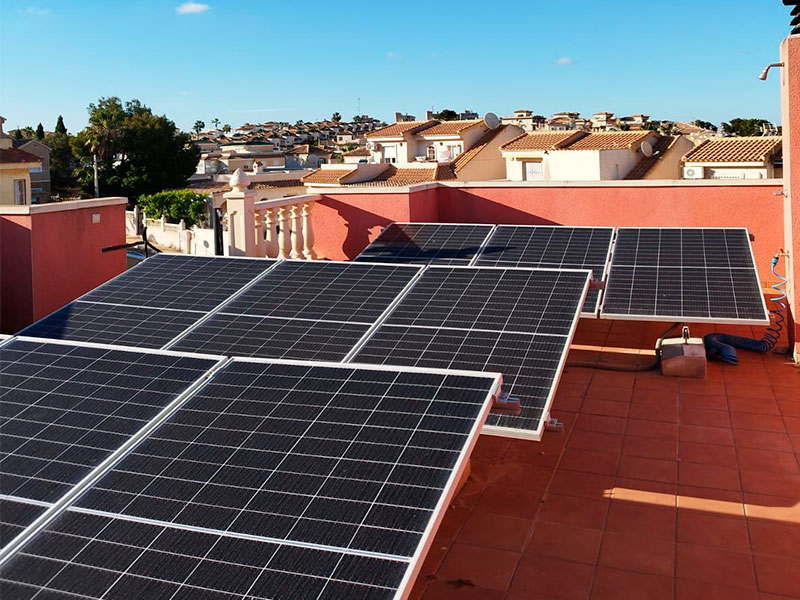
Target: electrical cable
629, 368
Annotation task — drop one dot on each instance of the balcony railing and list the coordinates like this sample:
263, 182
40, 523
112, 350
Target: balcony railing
283, 227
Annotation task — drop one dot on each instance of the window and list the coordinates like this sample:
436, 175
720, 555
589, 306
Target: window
37, 169
20, 194
534, 170
390, 154
431, 152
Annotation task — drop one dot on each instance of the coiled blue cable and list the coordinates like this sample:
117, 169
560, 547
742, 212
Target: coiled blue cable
723, 346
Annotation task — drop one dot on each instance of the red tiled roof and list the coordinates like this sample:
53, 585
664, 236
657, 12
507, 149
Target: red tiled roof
450, 127
15, 155
734, 149
542, 140
398, 129
360, 151
328, 175
463, 159
212, 187
306, 149
609, 140
400, 177
660, 147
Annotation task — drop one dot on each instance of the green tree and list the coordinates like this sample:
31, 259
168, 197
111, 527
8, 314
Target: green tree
650, 126
336, 117
138, 152
39, 132
18, 134
226, 128
744, 127
60, 127
175, 205
704, 124
62, 161
446, 115
198, 126
216, 122
357, 119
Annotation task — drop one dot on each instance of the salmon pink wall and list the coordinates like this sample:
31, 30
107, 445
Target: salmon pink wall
790, 101
59, 254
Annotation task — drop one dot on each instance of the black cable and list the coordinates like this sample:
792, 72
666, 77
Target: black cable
629, 368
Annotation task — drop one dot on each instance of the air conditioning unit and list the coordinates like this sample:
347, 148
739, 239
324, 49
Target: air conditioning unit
693, 172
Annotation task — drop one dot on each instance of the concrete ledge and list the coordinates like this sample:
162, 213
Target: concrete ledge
33, 209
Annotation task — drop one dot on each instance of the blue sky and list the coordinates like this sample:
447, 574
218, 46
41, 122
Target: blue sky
270, 60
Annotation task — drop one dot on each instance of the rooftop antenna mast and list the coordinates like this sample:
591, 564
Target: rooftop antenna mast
358, 106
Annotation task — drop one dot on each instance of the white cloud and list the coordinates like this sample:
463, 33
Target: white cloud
393, 55
36, 12
564, 61
191, 8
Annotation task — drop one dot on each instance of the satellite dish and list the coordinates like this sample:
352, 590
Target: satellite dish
647, 148
491, 120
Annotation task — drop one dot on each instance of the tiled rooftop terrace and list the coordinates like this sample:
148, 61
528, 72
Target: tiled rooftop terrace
658, 488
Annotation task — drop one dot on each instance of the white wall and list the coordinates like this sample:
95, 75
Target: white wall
572, 165
615, 164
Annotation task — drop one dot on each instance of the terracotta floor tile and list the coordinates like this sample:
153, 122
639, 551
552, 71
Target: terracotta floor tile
615, 379
706, 401
517, 473
600, 423
651, 469
605, 392
757, 422
706, 435
495, 531
790, 406
651, 493
542, 577
544, 452
595, 440
616, 584
747, 404
773, 508
712, 476
433, 560
711, 500
451, 524
564, 541
568, 403
792, 424
509, 501
656, 397
770, 537
699, 590
459, 590
571, 510
484, 567
652, 429
609, 408
469, 494
490, 446
708, 529
650, 448
778, 575
707, 454
638, 553
767, 460
766, 440
654, 381
587, 485
589, 461
642, 519
714, 565
704, 417
753, 388
773, 484
701, 386
649, 411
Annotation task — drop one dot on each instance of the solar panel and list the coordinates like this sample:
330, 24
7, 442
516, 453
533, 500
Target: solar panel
99, 556
690, 274
66, 408
515, 321
15, 516
142, 327
427, 243
268, 337
180, 281
275, 480
324, 290
551, 246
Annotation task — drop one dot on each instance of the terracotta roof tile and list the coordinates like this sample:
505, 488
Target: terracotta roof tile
609, 140
399, 176
398, 129
212, 187
327, 175
660, 147
360, 151
15, 155
734, 149
450, 127
541, 140
463, 159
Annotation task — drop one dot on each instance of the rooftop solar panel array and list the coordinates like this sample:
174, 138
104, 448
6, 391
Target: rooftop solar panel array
691, 275
551, 246
275, 480
516, 321
427, 243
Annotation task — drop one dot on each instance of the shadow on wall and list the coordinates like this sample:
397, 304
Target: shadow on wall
471, 208
359, 224
16, 276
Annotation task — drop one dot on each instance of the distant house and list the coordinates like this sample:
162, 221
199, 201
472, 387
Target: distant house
306, 156
360, 154
15, 171
602, 121
256, 156
526, 119
634, 122
40, 175
525, 155
735, 158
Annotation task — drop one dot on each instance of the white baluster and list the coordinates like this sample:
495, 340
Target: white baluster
297, 232
308, 232
258, 217
271, 237
284, 242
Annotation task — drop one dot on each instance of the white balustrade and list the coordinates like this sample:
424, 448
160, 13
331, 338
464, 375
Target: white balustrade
284, 229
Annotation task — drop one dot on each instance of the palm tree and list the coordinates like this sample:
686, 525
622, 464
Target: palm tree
226, 128
198, 126
216, 123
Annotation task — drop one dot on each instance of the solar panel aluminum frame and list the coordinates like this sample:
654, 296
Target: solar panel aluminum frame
683, 319
110, 461
415, 561
492, 429
477, 252
596, 313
